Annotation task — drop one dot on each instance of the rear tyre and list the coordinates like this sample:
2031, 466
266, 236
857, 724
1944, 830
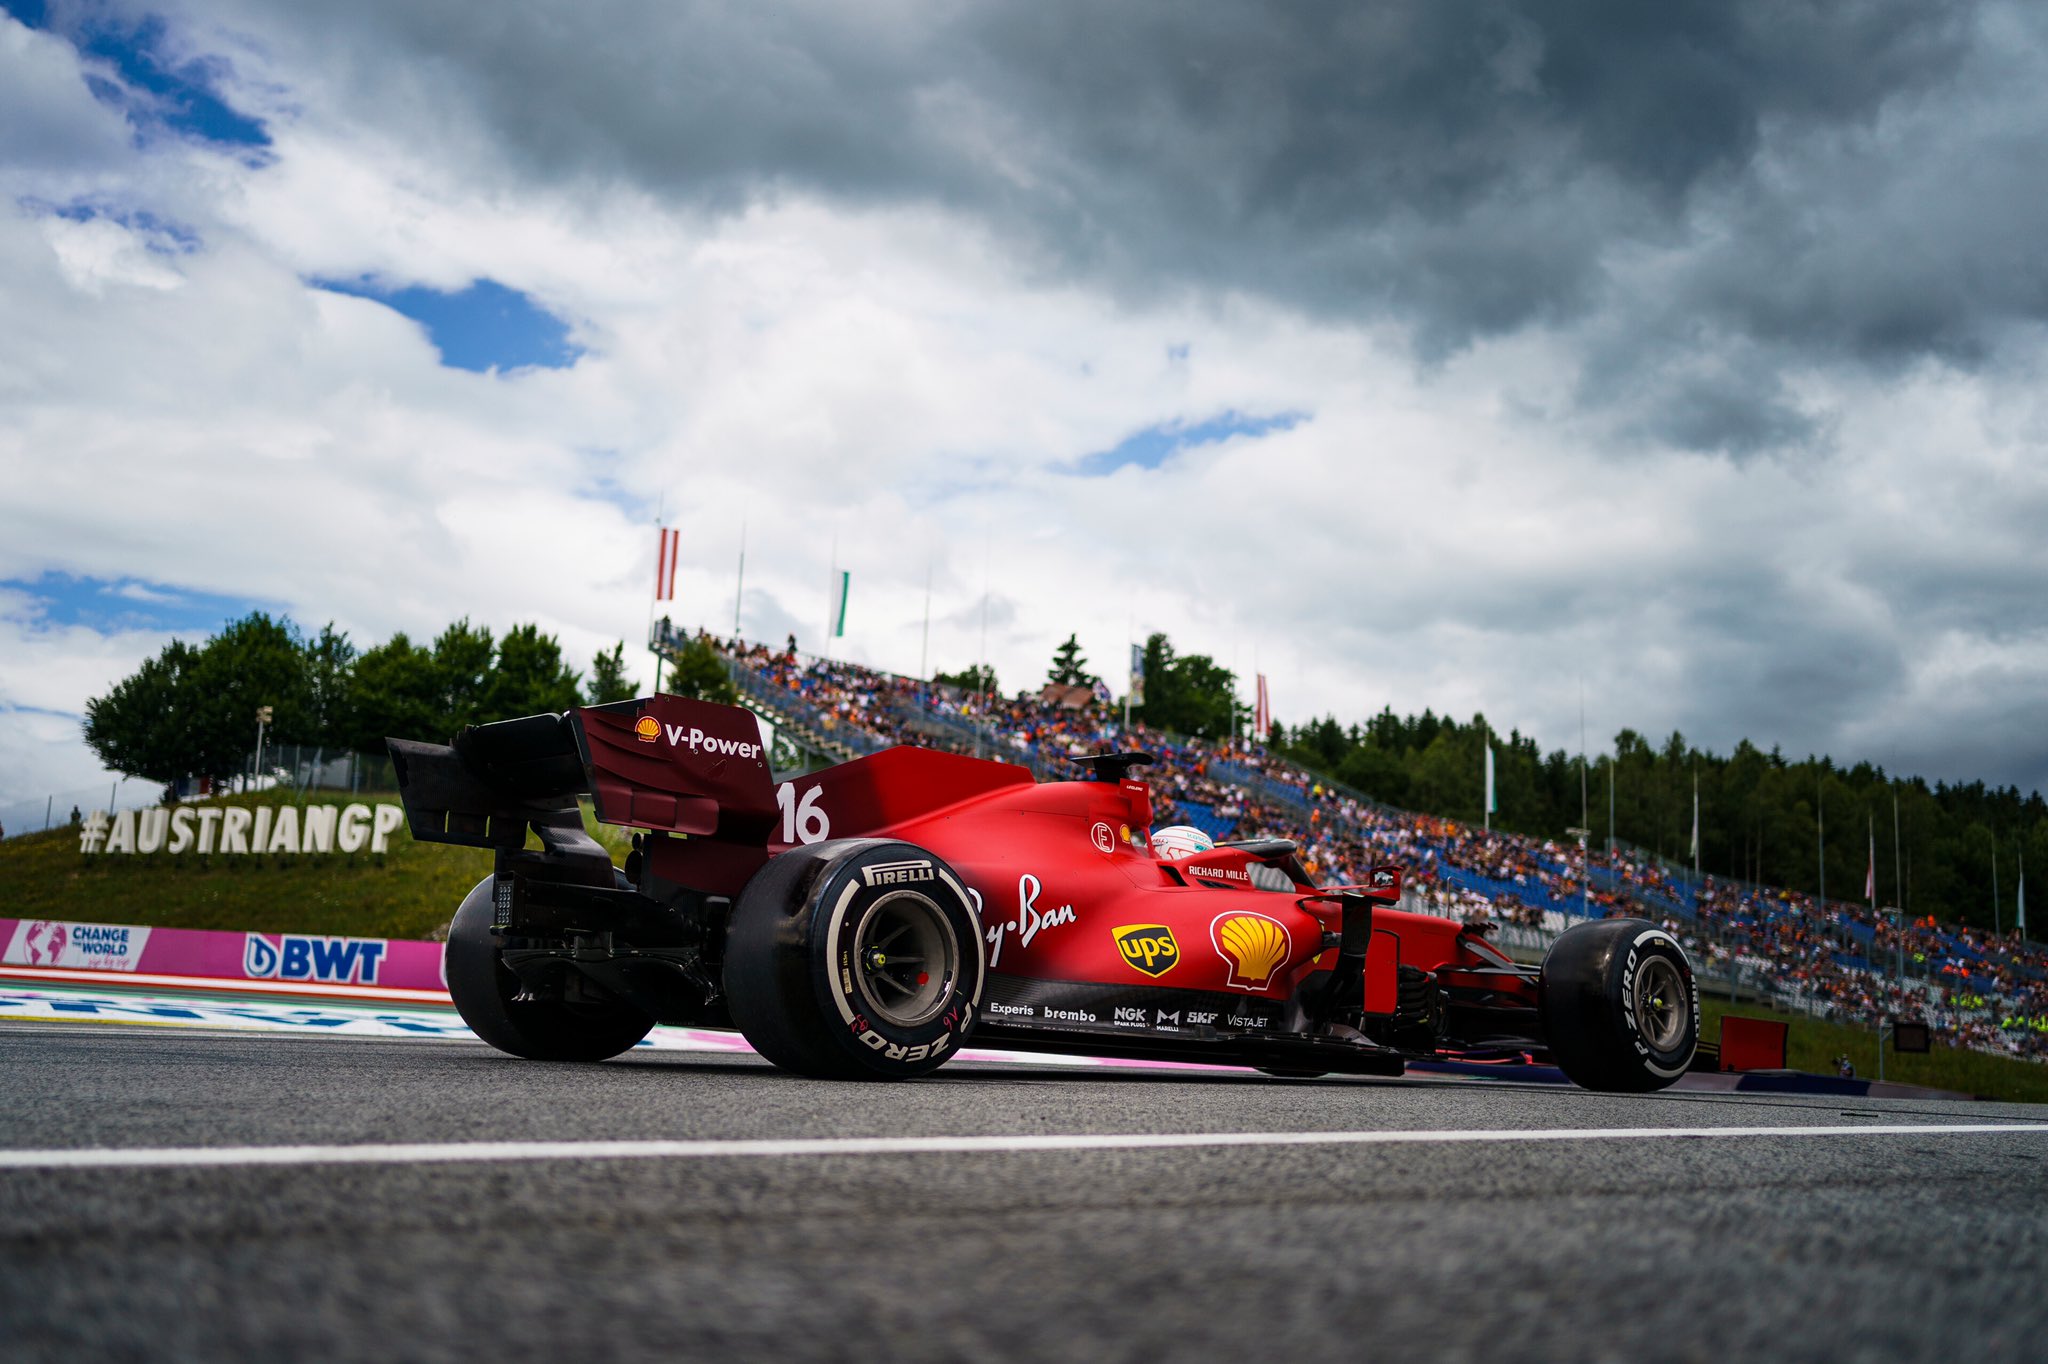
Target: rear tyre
1620, 1007
857, 959
484, 991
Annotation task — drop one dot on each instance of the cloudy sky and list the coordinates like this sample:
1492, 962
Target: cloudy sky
1463, 356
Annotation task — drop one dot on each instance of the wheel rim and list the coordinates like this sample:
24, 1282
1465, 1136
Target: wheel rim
1660, 1003
907, 958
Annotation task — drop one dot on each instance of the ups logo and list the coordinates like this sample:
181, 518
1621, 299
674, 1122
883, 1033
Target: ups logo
1148, 948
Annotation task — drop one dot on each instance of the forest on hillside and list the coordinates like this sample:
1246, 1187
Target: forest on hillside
1762, 817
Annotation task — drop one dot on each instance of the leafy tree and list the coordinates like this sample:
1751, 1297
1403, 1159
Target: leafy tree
255, 661
608, 680
975, 679
395, 692
529, 678
136, 727
462, 667
330, 662
1188, 694
1069, 668
699, 671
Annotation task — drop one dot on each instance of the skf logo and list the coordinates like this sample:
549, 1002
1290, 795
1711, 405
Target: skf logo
1253, 944
1148, 948
648, 730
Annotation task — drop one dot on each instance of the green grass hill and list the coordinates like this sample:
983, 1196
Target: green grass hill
408, 892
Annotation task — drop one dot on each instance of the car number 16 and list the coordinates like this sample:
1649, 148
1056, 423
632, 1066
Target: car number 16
802, 820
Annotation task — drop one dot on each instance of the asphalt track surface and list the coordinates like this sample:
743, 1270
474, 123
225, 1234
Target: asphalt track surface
1842, 1243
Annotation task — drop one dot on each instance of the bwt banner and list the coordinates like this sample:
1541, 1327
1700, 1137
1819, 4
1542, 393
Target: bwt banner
307, 958
238, 829
297, 956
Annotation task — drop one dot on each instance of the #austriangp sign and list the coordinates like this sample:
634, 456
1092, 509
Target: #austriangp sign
241, 830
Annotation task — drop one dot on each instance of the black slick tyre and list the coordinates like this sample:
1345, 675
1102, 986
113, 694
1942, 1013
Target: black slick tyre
1621, 1010
855, 959
484, 991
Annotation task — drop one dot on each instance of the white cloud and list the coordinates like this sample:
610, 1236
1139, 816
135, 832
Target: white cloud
895, 389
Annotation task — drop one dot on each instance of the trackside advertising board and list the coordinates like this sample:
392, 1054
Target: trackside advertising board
306, 958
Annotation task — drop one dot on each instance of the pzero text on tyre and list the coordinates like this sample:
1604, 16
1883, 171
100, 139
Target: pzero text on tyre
854, 959
1621, 1010
485, 993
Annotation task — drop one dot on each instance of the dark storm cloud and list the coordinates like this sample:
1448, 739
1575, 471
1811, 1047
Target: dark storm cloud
1817, 183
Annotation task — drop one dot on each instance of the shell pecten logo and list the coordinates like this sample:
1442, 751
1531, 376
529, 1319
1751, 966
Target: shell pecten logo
647, 730
1253, 944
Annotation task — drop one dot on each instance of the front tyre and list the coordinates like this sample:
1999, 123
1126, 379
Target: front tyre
856, 959
485, 993
1621, 1010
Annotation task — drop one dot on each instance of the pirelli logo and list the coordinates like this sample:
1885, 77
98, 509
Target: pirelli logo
898, 873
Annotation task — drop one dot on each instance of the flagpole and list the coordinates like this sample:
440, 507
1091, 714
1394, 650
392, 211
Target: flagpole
1870, 889
1899, 907
1611, 768
924, 649
1583, 822
1697, 878
1994, 890
1130, 680
664, 573
1486, 742
831, 585
739, 585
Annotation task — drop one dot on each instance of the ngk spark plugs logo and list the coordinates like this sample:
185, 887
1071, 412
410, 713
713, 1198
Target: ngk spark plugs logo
295, 956
1253, 944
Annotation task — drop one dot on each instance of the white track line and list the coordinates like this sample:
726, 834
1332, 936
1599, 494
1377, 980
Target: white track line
447, 1153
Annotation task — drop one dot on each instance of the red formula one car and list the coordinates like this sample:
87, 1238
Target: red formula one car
861, 921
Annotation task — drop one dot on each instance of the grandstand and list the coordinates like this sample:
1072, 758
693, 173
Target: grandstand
1835, 960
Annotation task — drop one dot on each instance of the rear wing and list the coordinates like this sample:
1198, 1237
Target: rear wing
664, 763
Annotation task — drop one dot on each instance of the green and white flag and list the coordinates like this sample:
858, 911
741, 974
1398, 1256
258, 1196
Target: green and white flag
839, 612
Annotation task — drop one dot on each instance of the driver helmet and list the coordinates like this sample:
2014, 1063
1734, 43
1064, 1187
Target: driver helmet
1180, 840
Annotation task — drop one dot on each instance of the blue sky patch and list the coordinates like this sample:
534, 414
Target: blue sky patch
484, 327
108, 605
1153, 446
156, 90
158, 234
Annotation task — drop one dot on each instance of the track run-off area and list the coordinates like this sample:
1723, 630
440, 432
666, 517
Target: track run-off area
208, 1192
